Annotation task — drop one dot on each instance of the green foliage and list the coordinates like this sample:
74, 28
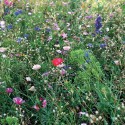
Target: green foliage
89, 66
88, 87
10, 121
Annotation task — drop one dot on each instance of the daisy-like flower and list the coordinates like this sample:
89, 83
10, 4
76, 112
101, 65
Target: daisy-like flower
18, 100
36, 67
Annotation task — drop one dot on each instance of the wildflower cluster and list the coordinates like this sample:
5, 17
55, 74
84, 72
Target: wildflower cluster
62, 62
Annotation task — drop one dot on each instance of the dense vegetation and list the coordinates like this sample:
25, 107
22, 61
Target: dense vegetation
62, 62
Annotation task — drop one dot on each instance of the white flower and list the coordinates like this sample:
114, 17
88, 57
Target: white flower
28, 79
117, 62
61, 65
66, 48
83, 124
107, 29
2, 24
4, 56
58, 51
32, 89
36, 67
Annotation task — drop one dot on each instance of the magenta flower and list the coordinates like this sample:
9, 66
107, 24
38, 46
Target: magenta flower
41, 99
8, 3
18, 100
44, 103
9, 90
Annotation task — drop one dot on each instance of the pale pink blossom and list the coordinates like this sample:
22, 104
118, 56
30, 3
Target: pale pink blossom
36, 67
58, 51
117, 62
2, 49
63, 71
64, 35
66, 48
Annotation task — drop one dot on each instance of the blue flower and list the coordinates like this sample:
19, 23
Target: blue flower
103, 45
37, 28
98, 24
18, 12
26, 36
10, 26
19, 39
48, 30
86, 54
90, 45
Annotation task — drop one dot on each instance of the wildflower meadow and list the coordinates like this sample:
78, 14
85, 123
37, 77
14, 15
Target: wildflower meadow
62, 62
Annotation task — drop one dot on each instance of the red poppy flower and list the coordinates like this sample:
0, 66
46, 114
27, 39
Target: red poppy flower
57, 61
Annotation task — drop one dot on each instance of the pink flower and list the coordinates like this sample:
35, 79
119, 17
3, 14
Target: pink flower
9, 90
36, 107
66, 48
36, 67
63, 72
44, 103
8, 3
18, 100
64, 35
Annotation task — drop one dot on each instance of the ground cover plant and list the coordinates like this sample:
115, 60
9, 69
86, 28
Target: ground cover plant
62, 62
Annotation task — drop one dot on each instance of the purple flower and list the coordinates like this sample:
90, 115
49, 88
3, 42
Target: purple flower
98, 24
89, 17
9, 90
